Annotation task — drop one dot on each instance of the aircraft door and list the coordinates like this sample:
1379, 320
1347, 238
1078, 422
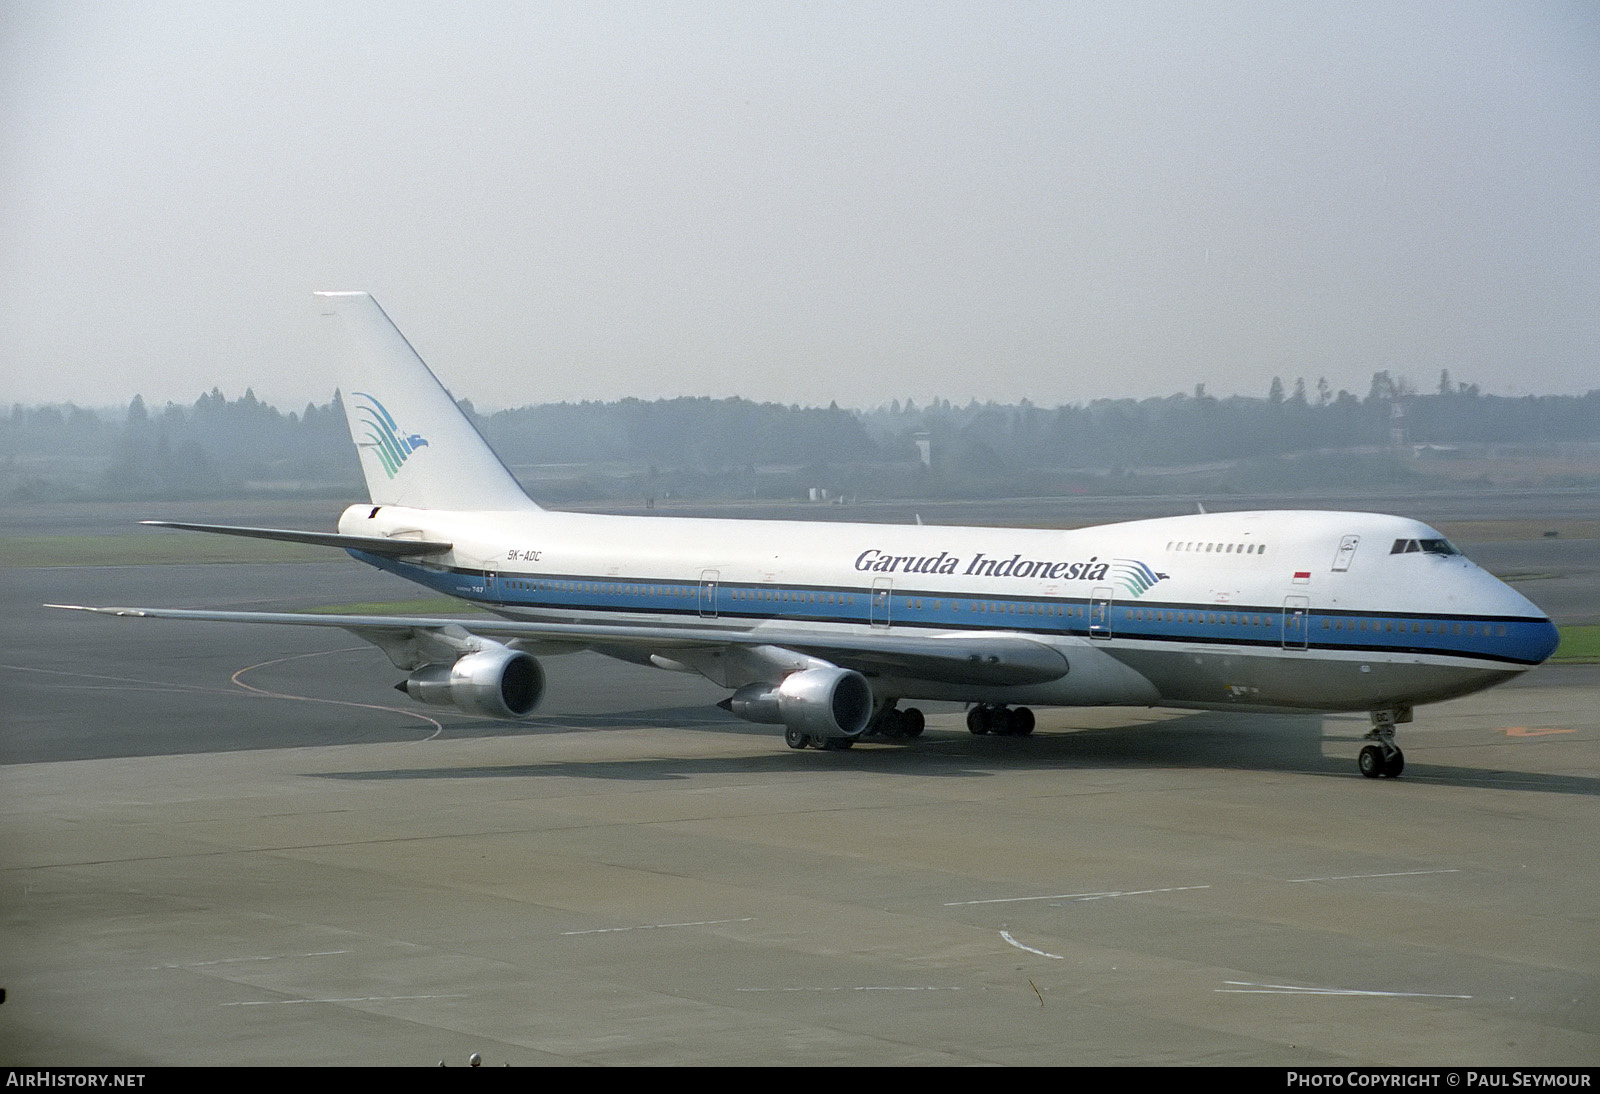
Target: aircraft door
1346, 552
1100, 613
1296, 622
882, 598
708, 593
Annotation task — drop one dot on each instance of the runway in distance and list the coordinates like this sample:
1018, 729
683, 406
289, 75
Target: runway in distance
826, 629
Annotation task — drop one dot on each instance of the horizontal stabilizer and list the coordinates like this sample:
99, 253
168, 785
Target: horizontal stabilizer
372, 545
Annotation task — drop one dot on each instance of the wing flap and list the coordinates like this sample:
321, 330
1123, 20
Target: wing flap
979, 658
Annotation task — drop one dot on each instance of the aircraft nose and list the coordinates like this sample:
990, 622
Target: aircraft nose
1543, 638
1535, 635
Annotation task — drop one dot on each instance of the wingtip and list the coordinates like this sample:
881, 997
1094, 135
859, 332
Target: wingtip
129, 612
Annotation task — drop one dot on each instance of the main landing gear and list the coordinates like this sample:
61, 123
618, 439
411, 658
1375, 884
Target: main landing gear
795, 739
887, 724
1383, 759
892, 723
999, 720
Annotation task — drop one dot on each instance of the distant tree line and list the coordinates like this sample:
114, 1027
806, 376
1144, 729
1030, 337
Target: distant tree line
1200, 428
212, 448
700, 447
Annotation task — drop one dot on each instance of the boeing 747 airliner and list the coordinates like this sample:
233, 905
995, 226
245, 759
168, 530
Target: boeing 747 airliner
825, 629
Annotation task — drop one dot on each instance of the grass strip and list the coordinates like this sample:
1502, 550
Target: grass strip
152, 549
1580, 645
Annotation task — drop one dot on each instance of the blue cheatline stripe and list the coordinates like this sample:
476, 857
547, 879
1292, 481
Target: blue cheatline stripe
1524, 641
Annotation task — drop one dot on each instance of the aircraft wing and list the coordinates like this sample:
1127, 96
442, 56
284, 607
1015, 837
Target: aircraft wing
989, 659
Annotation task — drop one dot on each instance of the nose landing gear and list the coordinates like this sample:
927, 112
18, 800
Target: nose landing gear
1383, 759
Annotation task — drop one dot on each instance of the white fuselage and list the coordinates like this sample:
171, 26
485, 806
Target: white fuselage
1262, 610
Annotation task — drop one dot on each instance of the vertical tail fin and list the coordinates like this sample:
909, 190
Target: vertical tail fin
417, 448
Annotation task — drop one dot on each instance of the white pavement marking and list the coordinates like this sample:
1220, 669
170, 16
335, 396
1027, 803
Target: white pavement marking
242, 960
859, 987
1358, 877
1029, 949
348, 999
1074, 896
1244, 987
143, 685
661, 926
438, 728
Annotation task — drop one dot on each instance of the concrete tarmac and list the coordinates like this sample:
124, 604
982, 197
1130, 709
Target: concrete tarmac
236, 845
1124, 887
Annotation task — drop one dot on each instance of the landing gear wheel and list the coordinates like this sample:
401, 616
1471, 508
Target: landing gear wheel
1370, 761
795, 739
1020, 721
1374, 764
891, 724
834, 744
1001, 721
912, 722
1383, 759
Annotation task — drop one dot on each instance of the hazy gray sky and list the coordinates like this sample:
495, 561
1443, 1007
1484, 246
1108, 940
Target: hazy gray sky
801, 202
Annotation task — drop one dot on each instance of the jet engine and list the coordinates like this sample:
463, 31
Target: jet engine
820, 702
493, 683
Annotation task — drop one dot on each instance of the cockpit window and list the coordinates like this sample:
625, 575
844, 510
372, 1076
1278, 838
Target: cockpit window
1428, 546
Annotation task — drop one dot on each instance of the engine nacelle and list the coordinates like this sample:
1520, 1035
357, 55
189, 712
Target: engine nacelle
497, 683
824, 702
